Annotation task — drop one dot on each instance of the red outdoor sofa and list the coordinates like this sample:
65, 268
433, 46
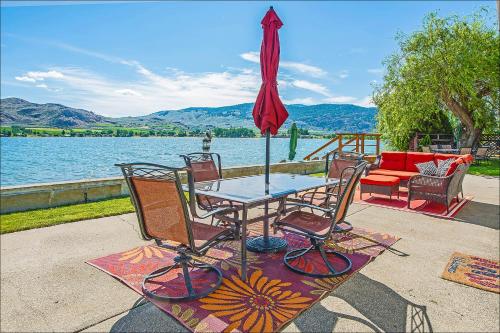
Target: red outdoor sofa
425, 187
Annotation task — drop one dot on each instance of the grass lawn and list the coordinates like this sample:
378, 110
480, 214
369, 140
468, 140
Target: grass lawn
486, 168
52, 216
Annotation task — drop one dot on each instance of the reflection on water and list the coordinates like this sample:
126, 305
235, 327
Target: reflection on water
36, 160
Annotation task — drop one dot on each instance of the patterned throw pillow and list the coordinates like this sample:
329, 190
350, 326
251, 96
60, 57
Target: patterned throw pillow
427, 168
443, 166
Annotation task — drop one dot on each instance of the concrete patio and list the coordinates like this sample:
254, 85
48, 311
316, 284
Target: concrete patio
46, 285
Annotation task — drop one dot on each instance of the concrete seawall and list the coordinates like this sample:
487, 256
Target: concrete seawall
46, 195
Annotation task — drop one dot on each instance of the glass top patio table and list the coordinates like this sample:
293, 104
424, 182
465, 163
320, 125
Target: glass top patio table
251, 189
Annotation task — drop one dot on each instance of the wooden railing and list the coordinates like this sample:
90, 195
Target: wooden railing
348, 142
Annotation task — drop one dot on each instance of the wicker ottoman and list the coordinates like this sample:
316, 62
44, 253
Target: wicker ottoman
379, 184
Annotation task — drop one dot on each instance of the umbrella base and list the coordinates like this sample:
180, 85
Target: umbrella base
260, 244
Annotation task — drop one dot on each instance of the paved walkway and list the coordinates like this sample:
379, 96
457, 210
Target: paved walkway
46, 286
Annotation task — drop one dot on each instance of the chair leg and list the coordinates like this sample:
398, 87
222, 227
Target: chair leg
183, 261
297, 253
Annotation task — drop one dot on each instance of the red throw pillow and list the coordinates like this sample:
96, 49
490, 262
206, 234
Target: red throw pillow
454, 166
413, 158
393, 160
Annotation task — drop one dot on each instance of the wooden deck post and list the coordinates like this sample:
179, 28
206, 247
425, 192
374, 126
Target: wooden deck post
340, 143
377, 147
362, 143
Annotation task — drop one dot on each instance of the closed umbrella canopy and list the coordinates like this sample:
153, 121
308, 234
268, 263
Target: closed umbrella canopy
269, 113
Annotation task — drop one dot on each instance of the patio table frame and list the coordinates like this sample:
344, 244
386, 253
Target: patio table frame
282, 185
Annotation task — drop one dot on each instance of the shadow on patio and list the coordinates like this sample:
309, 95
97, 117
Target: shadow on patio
480, 213
383, 307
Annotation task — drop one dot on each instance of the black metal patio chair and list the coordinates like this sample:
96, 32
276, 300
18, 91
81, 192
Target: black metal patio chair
164, 217
318, 227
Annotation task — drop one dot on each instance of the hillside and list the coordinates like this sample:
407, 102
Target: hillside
17, 111
324, 117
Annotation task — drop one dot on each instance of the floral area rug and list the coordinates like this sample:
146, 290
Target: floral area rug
473, 271
271, 297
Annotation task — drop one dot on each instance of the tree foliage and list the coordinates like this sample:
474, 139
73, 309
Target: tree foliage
448, 70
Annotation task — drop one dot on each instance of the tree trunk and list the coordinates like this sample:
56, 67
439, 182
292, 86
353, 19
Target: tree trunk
470, 134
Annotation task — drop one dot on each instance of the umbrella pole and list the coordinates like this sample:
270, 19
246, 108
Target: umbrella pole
265, 243
267, 172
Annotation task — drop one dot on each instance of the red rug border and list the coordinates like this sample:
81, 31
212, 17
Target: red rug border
450, 216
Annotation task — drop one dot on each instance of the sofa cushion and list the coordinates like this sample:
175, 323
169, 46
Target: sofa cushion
393, 160
380, 180
403, 175
415, 158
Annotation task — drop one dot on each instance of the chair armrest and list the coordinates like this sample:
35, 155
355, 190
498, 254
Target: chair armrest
429, 181
324, 210
211, 213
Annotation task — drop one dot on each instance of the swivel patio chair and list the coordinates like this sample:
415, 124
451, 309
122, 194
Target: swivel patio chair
164, 217
446, 147
433, 147
333, 169
207, 167
319, 227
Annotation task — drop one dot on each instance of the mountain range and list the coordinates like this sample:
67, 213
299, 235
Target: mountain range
323, 117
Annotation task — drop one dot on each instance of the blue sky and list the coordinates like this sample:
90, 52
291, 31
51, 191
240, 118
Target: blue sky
133, 58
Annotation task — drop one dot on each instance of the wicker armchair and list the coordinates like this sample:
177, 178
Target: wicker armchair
465, 150
164, 217
438, 189
481, 155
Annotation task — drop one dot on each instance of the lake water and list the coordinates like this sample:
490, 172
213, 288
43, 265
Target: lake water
41, 160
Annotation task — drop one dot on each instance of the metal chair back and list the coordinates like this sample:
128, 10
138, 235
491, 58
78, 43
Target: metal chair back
204, 166
465, 150
160, 203
482, 152
347, 193
446, 147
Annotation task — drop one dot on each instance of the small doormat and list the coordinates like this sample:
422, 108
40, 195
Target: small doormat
416, 206
473, 271
270, 298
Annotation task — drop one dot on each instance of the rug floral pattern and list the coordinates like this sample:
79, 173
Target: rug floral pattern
272, 295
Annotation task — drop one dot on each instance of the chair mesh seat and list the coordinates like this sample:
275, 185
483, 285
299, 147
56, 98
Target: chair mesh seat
308, 222
204, 232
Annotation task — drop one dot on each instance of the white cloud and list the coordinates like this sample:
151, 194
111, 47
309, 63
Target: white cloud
365, 101
251, 56
376, 71
127, 92
305, 101
39, 76
299, 67
315, 87
303, 68
42, 85
340, 99
152, 92
344, 74
25, 79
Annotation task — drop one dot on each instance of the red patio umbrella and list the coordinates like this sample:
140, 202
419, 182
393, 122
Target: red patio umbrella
269, 113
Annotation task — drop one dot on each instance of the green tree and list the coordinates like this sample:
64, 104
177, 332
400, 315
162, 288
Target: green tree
448, 68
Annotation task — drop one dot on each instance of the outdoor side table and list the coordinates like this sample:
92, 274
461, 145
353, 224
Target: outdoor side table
250, 192
387, 185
